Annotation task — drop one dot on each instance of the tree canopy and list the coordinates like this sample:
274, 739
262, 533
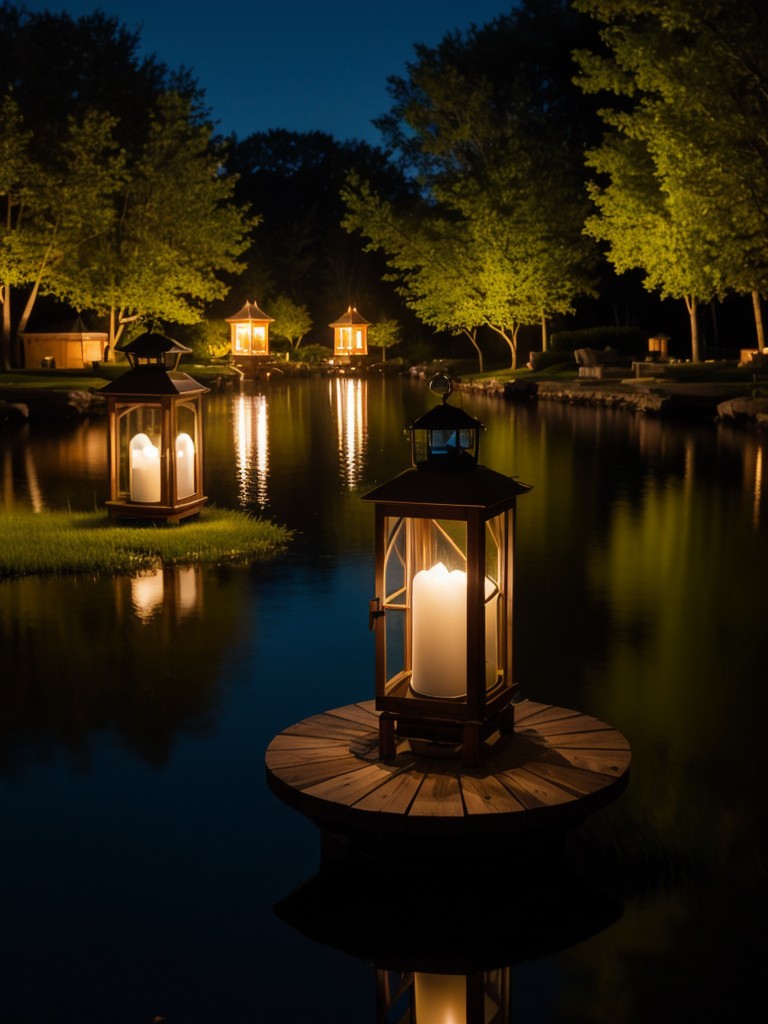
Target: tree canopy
682, 173
114, 195
490, 129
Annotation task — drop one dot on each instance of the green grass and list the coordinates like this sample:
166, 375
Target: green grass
61, 380
58, 543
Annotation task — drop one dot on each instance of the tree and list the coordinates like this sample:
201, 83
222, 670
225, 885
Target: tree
293, 180
175, 230
292, 321
488, 126
682, 191
384, 335
113, 194
50, 212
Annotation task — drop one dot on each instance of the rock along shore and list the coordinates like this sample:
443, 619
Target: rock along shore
722, 403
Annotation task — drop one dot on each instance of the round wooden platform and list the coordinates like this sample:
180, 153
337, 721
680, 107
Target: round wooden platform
559, 766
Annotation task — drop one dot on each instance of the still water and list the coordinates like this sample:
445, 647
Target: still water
141, 854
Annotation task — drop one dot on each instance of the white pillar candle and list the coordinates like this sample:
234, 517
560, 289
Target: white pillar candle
439, 632
439, 609
145, 470
185, 466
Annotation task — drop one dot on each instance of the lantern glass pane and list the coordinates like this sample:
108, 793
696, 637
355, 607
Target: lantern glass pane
186, 452
139, 431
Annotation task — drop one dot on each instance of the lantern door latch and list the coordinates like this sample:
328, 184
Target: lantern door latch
375, 611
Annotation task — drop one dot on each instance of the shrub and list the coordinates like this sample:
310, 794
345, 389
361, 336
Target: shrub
544, 360
627, 340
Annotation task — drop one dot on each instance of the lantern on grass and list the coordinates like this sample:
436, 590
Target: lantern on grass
154, 418
442, 614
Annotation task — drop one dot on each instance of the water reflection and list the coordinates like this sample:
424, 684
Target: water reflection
124, 654
132, 731
251, 442
444, 948
53, 463
349, 401
177, 591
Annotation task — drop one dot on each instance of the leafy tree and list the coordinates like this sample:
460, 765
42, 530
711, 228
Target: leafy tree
175, 231
293, 180
292, 321
113, 193
51, 212
492, 130
682, 191
384, 335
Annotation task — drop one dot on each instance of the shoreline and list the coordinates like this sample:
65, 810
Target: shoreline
720, 402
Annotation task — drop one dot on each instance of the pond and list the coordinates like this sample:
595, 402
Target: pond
142, 856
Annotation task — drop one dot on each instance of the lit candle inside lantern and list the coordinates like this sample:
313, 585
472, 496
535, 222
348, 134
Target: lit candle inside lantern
185, 466
440, 998
439, 663
145, 470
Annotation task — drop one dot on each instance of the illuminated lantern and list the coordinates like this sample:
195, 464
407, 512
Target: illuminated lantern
350, 336
444, 537
154, 417
249, 334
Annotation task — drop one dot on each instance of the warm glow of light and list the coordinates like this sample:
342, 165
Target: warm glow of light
350, 399
758, 492
185, 466
147, 593
440, 998
187, 589
439, 604
252, 448
145, 482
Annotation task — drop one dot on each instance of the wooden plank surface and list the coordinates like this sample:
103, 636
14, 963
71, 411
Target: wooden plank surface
559, 765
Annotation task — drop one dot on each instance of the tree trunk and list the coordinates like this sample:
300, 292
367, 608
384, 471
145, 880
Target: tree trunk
543, 333
5, 334
28, 307
692, 307
511, 340
757, 307
472, 335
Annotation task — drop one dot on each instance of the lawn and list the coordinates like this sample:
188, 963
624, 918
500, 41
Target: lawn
59, 542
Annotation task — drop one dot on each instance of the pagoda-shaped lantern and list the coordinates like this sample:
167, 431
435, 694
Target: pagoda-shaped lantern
249, 333
442, 614
350, 336
154, 417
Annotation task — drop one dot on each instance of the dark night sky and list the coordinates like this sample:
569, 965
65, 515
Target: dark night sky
299, 65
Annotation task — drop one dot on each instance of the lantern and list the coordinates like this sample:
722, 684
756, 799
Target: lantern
249, 332
350, 335
442, 614
481, 997
154, 418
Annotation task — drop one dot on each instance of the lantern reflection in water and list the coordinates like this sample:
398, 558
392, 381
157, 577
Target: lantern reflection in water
350, 401
481, 997
176, 590
251, 424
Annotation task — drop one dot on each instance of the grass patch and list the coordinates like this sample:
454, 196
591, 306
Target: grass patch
58, 543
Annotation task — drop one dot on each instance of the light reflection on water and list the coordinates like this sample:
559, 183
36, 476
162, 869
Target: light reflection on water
145, 853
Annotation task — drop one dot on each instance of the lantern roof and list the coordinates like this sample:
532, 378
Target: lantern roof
153, 345
148, 381
250, 311
446, 417
483, 488
350, 319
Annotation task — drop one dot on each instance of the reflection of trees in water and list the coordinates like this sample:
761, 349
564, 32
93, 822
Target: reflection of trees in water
82, 655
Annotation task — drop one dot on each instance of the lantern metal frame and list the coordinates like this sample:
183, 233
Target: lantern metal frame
445, 503
155, 399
